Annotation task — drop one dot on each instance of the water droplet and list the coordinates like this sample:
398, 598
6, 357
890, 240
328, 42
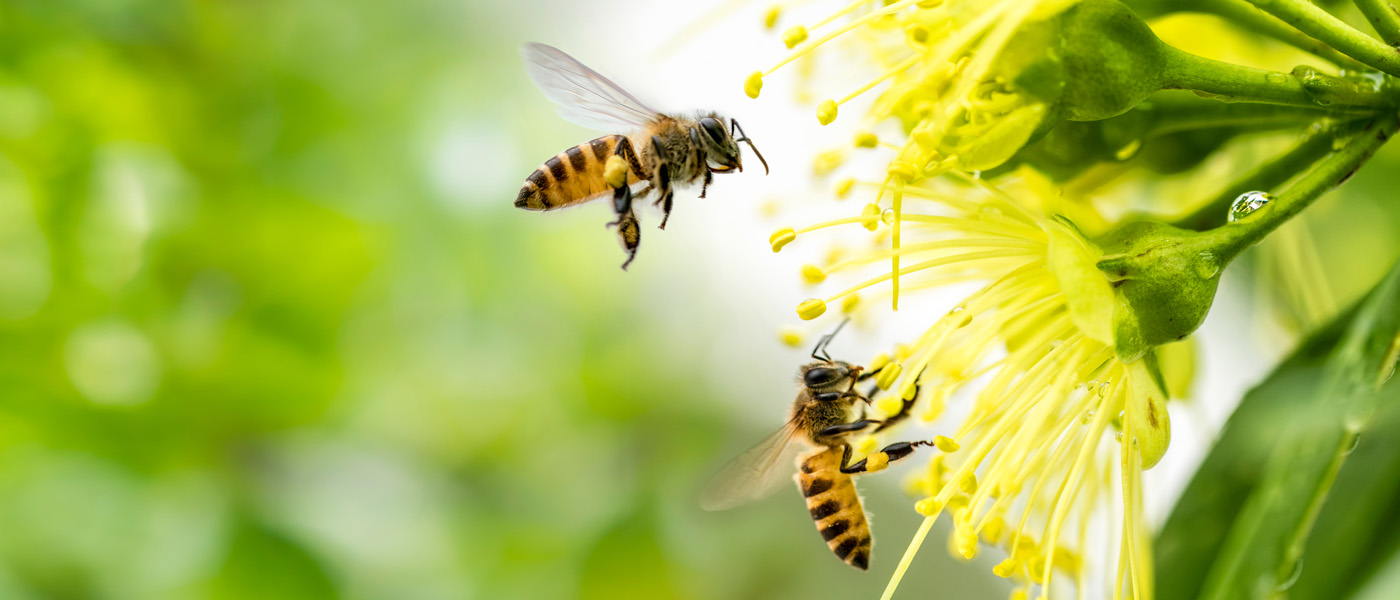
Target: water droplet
976, 175
1247, 203
888, 216
1352, 441
1103, 389
956, 309
1276, 77
1339, 143
1088, 416
1294, 571
1207, 265
1129, 150
1118, 435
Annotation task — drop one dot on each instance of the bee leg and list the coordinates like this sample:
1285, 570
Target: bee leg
663, 179
846, 427
893, 452
630, 234
622, 203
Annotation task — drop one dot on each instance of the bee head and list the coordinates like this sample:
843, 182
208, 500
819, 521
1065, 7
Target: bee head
828, 376
722, 148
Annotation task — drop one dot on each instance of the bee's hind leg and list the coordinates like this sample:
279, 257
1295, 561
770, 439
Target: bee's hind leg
663, 177
892, 452
630, 234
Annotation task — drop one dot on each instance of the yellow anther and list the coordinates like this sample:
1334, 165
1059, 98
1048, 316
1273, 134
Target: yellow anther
929, 3
794, 35
969, 484
945, 443
843, 187
957, 502
753, 84
813, 274
902, 351
870, 216
1036, 569
615, 171
902, 169
928, 507
849, 303
916, 34
827, 161
782, 237
1020, 594
992, 531
907, 389
965, 538
865, 139
877, 462
1006, 568
790, 336
811, 309
1066, 561
826, 112
889, 405
770, 18
879, 362
888, 375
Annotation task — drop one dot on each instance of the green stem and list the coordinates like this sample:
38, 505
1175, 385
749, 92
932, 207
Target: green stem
1306, 17
1266, 176
1237, 83
1243, 14
1233, 238
1171, 113
1383, 17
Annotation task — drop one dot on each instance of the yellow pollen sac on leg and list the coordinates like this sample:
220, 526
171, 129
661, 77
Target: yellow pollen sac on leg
615, 171
813, 274
945, 443
826, 112
782, 237
794, 35
877, 462
753, 83
811, 308
928, 507
888, 375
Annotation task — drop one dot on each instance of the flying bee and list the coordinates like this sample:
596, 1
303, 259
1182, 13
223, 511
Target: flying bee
657, 152
825, 413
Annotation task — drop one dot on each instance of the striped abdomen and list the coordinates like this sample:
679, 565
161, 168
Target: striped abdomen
573, 176
835, 507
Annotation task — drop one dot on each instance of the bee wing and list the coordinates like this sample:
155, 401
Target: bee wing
585, 97
755, 473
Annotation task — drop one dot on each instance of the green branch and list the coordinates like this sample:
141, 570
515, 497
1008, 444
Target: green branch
1383, 17
1233, 238
1236, 83
1306, 17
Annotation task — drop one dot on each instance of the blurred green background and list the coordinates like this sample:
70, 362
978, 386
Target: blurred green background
271, 328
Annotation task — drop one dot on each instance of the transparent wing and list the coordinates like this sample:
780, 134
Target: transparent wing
755, 473
584, 96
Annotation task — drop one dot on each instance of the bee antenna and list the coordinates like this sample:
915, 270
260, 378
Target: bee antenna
826, 339
744, 137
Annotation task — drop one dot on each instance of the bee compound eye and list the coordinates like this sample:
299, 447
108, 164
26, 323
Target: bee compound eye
819, 376
714, 129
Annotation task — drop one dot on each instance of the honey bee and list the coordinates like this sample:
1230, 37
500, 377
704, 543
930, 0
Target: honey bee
658, 151
824, 414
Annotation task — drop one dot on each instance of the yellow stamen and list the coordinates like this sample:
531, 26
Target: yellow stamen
843, 187
888, 375
945, 443
813, 274
794, 35
810, 309
790, 336
753, 84
865, 139
826, 112
781, 237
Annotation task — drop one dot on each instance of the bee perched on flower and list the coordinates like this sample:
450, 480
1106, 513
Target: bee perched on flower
1010, 114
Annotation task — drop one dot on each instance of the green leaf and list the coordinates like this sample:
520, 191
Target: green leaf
1239, 529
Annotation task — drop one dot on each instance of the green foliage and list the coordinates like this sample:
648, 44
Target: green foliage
1241, 527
